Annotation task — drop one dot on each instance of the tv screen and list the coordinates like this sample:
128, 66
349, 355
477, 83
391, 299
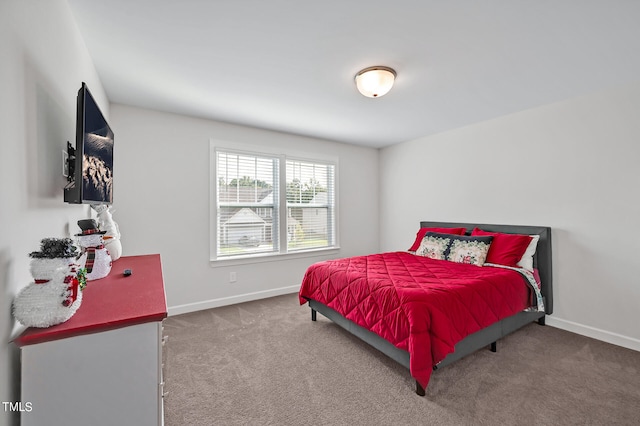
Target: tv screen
92, 178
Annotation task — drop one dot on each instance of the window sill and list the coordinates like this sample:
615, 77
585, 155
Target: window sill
272, 257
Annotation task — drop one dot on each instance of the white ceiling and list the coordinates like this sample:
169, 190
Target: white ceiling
289, 65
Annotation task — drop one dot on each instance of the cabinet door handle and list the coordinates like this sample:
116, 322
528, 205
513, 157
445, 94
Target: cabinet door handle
162, 391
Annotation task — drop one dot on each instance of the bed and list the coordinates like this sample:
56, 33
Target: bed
426, 313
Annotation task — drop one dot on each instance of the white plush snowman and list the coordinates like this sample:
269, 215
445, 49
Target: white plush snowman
112, 236
55, 294
95, 256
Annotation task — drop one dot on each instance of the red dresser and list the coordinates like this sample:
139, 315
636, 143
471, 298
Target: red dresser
104, 365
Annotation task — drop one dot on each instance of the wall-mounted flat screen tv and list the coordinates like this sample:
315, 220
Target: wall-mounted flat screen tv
91, 162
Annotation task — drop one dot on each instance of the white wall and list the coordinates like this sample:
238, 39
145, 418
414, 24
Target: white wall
161, 203
572, 166
43, 62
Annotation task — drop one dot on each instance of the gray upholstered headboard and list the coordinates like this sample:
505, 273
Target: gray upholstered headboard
541, 260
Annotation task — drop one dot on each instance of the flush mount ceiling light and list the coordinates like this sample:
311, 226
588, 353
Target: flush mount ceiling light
374, 82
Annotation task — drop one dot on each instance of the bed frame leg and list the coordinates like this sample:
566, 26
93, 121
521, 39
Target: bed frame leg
494, 346
419, 389
313, 315
541, 320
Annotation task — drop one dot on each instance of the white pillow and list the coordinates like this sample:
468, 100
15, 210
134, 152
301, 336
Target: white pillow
526, 261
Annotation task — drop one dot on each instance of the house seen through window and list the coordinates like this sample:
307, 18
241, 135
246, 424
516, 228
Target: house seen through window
272, 204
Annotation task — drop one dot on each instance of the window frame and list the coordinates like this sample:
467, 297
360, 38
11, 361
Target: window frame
281, 251
330, 206
253, 205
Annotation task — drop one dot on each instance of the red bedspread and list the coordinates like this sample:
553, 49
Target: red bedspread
421, 305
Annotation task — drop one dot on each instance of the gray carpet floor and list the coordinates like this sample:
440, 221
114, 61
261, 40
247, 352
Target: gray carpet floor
266, 363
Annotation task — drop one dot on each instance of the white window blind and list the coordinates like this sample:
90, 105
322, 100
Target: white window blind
247, 203
270, 204
310, 205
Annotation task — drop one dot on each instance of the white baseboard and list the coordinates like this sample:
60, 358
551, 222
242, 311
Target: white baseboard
595, 333
231, 300
584, 330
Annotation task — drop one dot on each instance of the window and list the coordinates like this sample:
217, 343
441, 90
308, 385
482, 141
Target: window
247, 203
310, 205
271, 204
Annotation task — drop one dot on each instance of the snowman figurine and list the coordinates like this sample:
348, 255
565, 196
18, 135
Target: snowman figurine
55, 294
95, 257
112, 236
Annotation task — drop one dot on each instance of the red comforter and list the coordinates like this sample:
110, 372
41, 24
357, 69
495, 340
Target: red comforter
421, 305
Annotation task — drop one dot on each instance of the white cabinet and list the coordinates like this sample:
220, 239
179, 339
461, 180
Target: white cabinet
108, 378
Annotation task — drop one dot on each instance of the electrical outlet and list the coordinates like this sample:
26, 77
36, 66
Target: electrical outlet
232, 277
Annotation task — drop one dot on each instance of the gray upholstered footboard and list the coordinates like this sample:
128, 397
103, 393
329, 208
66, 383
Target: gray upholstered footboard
483, 338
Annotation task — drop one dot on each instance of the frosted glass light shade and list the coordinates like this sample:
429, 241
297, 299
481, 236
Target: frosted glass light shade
374, 82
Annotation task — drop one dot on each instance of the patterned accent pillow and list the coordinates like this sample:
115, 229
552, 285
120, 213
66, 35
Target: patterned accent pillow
434, 245
423, 231
471, 250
